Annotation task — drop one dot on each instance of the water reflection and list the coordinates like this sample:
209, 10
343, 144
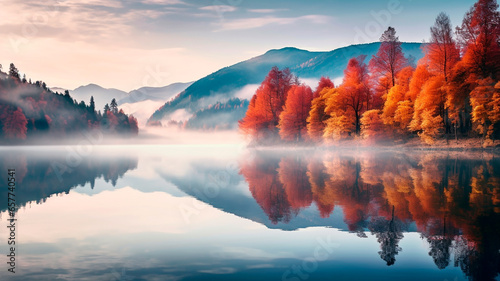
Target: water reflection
41, 175
384, 199
451, 199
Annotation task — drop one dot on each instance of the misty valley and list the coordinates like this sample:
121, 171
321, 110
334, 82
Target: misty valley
213, 212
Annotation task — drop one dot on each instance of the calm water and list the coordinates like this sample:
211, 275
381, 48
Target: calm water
227, 213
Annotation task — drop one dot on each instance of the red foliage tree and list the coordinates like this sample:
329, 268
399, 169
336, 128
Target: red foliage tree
293, 124
479, 34
14, 124
262, 117
324, 83
389, 59
442, 52
133, 124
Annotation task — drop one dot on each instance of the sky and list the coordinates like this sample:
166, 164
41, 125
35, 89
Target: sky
127, 44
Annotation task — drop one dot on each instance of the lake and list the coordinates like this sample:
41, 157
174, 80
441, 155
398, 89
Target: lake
225, 212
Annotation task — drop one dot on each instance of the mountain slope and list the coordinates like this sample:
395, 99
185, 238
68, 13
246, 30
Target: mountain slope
227, 82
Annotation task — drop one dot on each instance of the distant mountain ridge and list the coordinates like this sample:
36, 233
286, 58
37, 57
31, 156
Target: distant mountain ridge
105, 95
225, 83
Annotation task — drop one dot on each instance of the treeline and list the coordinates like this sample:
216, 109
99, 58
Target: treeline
223, 115
219, 116
28, 110
453, 91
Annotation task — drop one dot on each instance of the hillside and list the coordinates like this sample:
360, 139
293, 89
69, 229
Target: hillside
227, 82
29, 111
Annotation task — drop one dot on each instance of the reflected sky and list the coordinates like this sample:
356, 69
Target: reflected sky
227, 213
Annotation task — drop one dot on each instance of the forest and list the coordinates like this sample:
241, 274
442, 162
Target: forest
31, 110
452, 93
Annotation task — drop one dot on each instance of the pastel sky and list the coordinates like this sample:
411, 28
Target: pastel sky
129, 44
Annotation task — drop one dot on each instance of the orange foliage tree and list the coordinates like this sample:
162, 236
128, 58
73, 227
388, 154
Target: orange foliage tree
293, 124
428, 107
397, 94
485, 101
349, 101
372, 126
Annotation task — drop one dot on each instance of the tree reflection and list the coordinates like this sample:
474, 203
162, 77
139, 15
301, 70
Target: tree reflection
388, 233
452, 199
39, 179
263, 181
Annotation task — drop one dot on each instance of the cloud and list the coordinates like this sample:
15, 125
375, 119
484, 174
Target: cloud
265, 11
162, 2
101, 3
247, 91
251, 23
219, 8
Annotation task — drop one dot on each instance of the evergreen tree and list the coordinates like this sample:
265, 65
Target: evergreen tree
114, 106
92, 104
13, 72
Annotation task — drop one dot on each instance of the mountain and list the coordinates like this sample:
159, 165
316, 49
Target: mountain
101, 95
141, 102
154, 93
228, 82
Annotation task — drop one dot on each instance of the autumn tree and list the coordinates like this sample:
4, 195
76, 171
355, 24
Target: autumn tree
372, 126
480, 35
485, 101
349, 101
262, 117
395, 97
14, 124
389, 59
442, 51
317, 116
293, 124
134, 127
324, 83
428, 110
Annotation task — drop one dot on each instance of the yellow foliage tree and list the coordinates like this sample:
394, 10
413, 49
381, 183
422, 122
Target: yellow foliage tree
431, 126
372, 126
485, 102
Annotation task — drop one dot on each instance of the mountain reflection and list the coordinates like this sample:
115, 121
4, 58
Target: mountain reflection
452, 200
39, 176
